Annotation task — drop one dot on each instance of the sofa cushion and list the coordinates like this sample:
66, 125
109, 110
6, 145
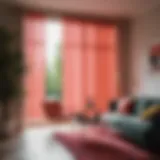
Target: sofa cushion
131, 127
141, 104
125, 105
150, 112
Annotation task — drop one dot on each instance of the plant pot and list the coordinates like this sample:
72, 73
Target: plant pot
52, 109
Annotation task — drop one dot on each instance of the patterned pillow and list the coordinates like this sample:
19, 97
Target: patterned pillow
125, 106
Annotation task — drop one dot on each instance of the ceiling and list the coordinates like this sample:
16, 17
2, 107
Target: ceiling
109, 8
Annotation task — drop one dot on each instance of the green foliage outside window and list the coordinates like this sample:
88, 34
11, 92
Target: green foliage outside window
54, 76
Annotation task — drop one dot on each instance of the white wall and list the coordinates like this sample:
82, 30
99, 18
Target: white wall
145, 33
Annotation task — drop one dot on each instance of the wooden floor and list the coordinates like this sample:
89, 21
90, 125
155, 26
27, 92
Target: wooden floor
38, 143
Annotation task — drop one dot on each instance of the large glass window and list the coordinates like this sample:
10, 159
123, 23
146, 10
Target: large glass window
53, 60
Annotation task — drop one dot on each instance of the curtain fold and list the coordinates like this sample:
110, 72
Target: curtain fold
72, 66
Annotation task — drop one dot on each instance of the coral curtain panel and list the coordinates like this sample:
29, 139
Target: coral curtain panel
73, 96
34, 52
90, 65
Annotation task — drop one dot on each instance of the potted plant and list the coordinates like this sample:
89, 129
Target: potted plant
11, 87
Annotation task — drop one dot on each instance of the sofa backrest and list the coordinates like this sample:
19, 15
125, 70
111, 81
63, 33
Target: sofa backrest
138, 105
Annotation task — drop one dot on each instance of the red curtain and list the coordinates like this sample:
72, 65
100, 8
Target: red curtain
90, 65
34, 51
73, 96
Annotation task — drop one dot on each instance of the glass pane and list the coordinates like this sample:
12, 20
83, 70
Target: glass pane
53, 59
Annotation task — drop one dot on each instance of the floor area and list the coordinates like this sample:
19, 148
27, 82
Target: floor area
38, 144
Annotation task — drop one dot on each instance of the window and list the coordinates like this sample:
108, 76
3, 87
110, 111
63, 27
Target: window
53, 60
